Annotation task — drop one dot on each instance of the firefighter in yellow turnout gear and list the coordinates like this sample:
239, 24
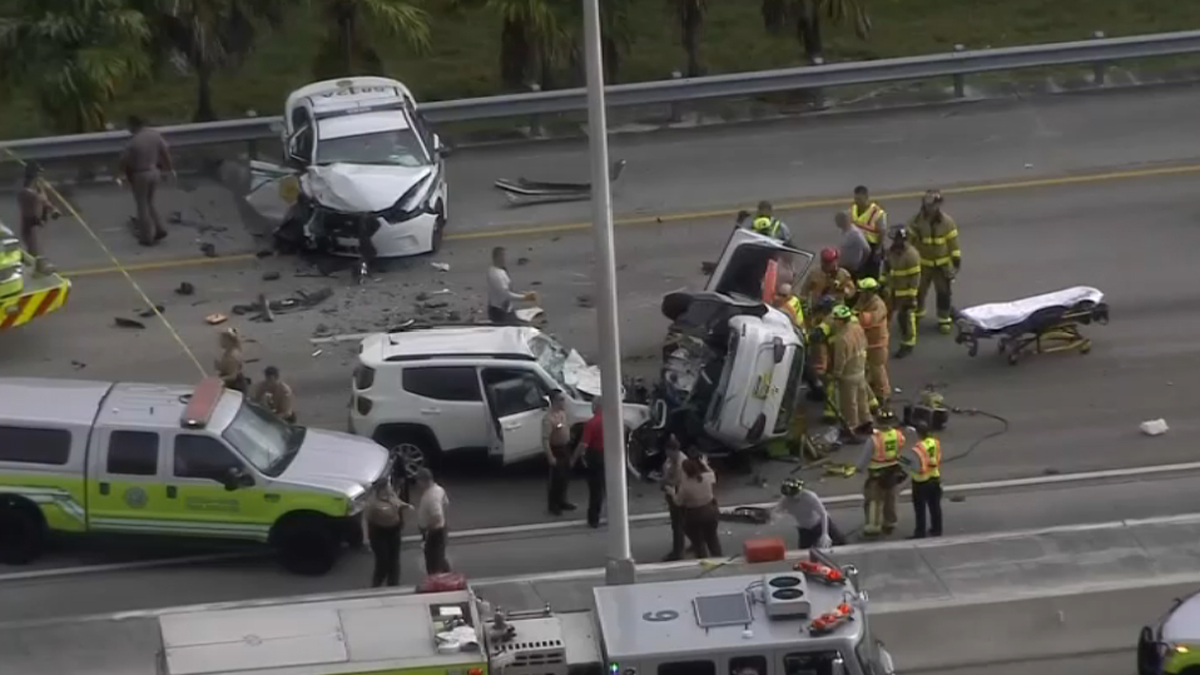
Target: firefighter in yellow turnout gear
820, 329
935, 235
881, 461
873, 315
927, 483
902, 277
848, 374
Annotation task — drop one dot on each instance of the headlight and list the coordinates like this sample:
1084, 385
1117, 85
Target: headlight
357, 504
413, 202
10, 272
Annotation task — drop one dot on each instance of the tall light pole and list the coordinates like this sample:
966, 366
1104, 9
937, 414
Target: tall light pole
619, 568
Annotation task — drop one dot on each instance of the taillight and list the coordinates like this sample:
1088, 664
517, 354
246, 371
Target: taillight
364, 377
363, 405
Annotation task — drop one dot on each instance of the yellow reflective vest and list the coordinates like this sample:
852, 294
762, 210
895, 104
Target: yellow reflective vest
766, 225
929, 452
870, 220
886, 451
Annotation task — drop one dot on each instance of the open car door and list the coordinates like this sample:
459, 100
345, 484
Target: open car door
517, 405
745, 262
273, 191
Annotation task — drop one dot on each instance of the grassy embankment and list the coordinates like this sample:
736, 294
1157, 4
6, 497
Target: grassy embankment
463, 61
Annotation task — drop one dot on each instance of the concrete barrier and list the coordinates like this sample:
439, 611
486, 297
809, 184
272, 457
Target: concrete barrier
1079, 622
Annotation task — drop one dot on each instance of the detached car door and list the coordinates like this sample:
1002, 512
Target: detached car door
745, 262
272, 191
517, 400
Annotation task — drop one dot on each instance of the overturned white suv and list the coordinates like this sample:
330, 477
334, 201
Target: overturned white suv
363, 174
733, 366
428, 392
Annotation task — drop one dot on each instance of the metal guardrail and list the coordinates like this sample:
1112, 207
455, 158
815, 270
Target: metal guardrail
955, 64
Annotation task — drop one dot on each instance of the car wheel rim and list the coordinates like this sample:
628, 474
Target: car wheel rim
410, 458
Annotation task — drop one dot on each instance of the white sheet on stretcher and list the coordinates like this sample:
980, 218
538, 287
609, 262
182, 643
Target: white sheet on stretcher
1000, 315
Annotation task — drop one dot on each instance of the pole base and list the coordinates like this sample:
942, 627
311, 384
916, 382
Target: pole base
620, 572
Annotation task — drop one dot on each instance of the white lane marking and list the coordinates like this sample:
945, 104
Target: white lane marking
127, 566
528, 528
650, 568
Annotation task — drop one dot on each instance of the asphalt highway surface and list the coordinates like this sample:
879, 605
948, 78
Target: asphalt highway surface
1077, 190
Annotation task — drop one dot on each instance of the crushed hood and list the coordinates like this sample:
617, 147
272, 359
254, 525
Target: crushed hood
359, 188
336, 461
578, 374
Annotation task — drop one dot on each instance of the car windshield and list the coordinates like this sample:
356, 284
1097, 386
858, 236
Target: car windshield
395, 147
263, 439
552, 357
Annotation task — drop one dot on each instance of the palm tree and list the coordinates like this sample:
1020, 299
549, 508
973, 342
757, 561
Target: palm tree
807, 15
347, 48
74, 56
207, 35
535, 35
690, 15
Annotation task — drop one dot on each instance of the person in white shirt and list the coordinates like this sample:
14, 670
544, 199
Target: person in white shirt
431, 521
500, 293
812, 520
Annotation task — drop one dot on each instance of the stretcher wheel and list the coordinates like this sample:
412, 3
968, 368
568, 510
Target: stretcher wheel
1013, 358
1085, 349
973, 349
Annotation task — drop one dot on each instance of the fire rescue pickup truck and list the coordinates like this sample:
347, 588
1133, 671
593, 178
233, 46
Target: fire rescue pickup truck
791, 622
25, 295
81, 457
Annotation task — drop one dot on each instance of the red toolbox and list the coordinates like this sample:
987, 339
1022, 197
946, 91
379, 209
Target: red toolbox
767, 549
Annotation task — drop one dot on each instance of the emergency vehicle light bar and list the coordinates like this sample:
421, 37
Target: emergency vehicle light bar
202, 403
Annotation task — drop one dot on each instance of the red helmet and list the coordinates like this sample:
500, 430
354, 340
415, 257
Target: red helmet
829, 255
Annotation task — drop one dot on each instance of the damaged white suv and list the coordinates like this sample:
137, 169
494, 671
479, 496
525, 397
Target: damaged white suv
733, 366
363, 175
427, 392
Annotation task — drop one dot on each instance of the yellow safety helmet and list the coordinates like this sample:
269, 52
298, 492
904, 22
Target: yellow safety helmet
868, 284
842, 312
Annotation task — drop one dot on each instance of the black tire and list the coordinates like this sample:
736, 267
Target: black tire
307, 545
1147, 653
22, 536
354, 537
413, 449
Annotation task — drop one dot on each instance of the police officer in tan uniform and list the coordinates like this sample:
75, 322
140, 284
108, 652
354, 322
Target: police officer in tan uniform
275, 395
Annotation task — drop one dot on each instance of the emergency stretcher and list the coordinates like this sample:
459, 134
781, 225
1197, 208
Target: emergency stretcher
1037, 325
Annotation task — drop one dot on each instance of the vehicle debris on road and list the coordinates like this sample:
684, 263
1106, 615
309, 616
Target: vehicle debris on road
300, 301
1156, 427
122, 322
185, 289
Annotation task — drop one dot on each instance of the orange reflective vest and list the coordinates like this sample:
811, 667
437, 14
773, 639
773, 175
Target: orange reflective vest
929, 453
886, 450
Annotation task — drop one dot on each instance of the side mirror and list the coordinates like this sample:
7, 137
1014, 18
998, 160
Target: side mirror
236, 478
545, 402
440, 148
838, 666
